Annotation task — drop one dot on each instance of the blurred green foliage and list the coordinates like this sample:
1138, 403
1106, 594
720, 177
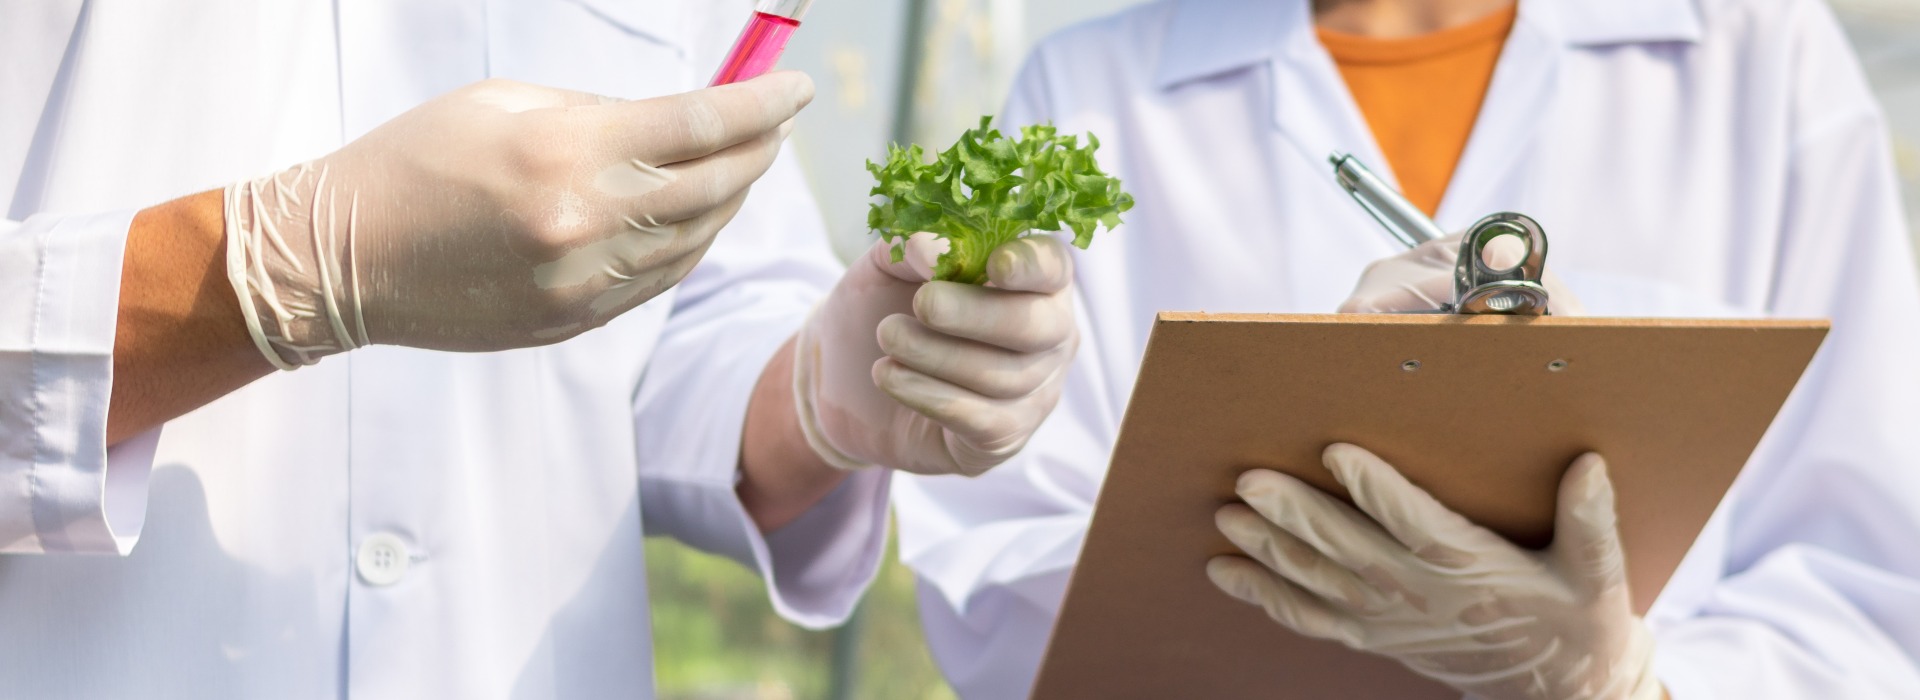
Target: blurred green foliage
717, 638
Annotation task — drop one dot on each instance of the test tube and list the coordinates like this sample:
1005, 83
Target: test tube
760, 44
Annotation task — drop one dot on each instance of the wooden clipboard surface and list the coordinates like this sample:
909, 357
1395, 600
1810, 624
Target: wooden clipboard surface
1676, 406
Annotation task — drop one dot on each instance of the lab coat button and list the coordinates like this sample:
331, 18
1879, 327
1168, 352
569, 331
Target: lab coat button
382, 560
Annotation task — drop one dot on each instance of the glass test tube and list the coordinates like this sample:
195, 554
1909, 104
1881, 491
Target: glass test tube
761, 42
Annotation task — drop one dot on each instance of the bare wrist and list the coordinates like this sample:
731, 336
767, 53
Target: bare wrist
179, 341
781, 475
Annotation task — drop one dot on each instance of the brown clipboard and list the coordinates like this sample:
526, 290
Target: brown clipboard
1485, 412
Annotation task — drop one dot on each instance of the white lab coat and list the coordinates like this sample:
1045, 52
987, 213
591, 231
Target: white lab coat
1710, 158
500, 498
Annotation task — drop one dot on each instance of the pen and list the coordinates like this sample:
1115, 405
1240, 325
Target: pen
1401, 217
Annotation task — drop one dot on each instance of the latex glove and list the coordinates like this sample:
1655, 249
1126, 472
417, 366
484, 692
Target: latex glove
499, 215
1421, 279
1451, 600
936, 377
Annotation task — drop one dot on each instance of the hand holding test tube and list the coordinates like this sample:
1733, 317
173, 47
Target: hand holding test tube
762, 41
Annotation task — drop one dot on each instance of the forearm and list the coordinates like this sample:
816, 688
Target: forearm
179, 341
781, 476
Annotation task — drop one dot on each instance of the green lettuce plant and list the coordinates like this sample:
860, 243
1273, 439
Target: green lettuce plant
989, 189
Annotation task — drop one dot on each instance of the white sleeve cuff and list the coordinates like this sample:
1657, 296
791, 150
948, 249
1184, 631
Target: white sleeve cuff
817, 567
61, 488
129, 464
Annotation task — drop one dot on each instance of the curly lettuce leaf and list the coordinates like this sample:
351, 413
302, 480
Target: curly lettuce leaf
989, 189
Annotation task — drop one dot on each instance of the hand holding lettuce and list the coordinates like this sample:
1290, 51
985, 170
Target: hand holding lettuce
949, 370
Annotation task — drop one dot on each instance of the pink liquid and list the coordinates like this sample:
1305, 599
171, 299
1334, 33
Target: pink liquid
757, 49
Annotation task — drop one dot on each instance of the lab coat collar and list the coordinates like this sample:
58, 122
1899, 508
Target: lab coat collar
663, 22
1210, 37
1603, 22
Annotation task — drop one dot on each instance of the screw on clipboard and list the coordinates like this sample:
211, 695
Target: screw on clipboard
1477, 287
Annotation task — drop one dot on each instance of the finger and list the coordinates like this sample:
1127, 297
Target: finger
1560, 299
1488, 634
882, 281
1031, 264
989, 425
1462, 660
1586, 533
1420, 279
623, 296
627, 266
638, 264
677, 128
1293, 559
1494, 622
693, 187
918, 254
1423, 292
1480, 628
991, 371
1504, 252
1343, 534
1017, 321
1288, 604
973, 460
1432, 531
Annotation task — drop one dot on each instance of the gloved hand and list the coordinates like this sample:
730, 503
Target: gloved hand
936, 377
1453, 601
499, 215
1421, 279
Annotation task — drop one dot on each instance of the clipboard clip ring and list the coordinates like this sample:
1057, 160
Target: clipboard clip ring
1517, 291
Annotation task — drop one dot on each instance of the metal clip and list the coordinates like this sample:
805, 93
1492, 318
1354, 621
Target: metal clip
1479, 289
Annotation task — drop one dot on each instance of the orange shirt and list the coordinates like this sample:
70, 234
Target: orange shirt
1421, 95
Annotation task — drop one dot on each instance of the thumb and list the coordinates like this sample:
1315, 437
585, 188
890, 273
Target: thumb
918, 253
1586, 532
671, 129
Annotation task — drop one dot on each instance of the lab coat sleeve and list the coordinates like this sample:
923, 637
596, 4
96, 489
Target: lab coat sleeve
1820, 576
764, 273
62, 490
992, 553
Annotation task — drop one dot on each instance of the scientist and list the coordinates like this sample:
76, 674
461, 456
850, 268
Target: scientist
393, 522
1688, 158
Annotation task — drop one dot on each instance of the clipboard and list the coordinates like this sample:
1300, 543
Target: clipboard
1485, 412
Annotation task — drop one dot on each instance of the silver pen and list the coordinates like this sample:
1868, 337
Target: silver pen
1404, 220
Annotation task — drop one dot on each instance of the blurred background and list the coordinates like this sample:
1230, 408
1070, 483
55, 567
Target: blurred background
715, 636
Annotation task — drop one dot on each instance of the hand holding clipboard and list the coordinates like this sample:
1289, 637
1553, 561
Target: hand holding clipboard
1489, 411
1401, 575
